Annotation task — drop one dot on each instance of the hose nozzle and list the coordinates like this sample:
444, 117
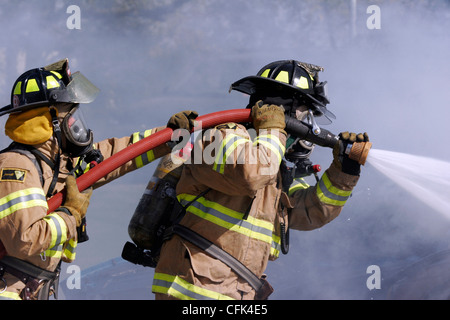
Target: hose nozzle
359, 151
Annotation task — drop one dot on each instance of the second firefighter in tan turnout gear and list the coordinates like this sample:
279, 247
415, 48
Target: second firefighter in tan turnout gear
51, 145
239, 202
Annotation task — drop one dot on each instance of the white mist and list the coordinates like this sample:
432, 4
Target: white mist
425, 178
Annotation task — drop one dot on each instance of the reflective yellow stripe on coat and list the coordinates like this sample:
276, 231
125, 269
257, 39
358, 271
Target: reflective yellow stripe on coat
272, 142
22, 199
146, 157
69, 249
181, 289
229, 144
329, 194
298, 184
9, 295
58, 230
232, 220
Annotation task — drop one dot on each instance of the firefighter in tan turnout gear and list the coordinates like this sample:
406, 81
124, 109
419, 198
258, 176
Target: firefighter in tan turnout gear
51, 145
239, 206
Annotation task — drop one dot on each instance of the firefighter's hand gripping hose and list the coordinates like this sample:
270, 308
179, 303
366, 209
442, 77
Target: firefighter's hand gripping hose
76, 202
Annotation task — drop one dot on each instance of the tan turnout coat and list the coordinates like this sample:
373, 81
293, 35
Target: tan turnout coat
241, 213
26, 230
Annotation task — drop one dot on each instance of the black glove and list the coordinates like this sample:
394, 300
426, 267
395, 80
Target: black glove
341, 159
183, 120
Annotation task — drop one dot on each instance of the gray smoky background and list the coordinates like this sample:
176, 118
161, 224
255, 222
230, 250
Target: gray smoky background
157, 57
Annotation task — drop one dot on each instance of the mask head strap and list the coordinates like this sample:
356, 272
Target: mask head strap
57, 133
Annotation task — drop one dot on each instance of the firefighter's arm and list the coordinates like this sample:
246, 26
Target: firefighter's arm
109, 147
234, 162
315, 206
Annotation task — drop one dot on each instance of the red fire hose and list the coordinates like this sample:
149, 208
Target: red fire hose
140, 147
144, 145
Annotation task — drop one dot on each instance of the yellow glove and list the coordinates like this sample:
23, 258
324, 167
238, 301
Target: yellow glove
76, 202
268, 117
183, 120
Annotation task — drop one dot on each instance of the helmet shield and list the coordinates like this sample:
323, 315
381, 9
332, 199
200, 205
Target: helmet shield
79, 90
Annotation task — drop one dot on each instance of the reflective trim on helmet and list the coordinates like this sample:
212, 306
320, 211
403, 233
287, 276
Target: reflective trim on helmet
52, 82
283, 76
57, 74
265, 74
18, 88
32, 86
302, 83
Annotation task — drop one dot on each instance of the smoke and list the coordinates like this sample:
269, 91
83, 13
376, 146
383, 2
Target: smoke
153, 58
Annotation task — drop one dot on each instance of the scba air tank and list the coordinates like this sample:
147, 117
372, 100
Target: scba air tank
155, 205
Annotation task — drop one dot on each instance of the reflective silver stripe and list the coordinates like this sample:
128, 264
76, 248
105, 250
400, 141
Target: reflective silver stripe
69, 250
56, 238
22, 199
276, 246
146, 157
298, 184
229, 219
181, 289
59, 235
273, 143
228, 146
329, 194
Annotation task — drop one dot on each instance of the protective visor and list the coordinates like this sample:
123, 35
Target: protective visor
75, 128
79, 90
319, 101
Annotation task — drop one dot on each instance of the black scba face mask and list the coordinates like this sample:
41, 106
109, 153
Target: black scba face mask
78, 138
